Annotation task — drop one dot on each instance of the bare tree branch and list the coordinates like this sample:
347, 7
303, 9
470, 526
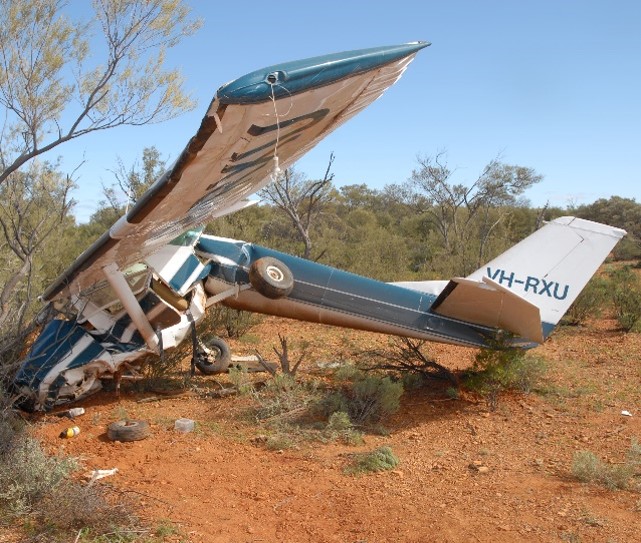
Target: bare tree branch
302, 200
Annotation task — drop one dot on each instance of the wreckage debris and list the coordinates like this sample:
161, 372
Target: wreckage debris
184, 426
128, 430
70, 432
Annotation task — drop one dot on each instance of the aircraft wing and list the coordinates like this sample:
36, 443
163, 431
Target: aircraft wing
255, 124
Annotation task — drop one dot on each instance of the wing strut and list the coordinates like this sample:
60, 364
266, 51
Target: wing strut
118, 282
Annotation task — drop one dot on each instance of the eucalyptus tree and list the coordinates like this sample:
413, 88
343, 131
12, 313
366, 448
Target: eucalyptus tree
62, 78
465, 216
301, 199
54, 87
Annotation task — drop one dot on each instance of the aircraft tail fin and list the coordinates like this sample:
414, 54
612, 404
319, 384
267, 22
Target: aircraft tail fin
547, 270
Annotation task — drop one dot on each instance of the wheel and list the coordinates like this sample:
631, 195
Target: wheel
214, 356
271, 277
128, 430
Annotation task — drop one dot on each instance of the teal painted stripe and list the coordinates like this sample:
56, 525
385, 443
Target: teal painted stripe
179, 280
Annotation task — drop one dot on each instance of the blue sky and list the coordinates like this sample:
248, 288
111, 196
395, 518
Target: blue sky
552, 85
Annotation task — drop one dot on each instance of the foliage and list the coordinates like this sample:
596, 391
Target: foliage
28, 475
502, 368
36, 486
55, 87
340, 427
621, 212
381, 459
132, 182
367, 399
626, 298
34, 212
302, 200
590, 302
588, 468
160, 370
234, 322
284, 396
466, 217
241, 380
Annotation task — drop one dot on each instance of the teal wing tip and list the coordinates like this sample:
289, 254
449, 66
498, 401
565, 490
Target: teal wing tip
312, 72
418, 45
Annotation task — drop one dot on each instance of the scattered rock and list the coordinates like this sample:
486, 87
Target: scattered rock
478, 467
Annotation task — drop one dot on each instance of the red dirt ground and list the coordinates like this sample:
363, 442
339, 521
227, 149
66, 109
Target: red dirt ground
215, 485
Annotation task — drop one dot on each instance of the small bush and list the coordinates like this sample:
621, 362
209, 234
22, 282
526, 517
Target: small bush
340, 427
380, 459
627, 249
374, 398
367, 399
37, 487
590, 302
28, 475
279, 442
626, 298
588, 468
501, 369
73, 505
236, 323
283, 396
241, 380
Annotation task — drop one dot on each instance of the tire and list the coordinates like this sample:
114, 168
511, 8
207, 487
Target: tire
271, 278
128, 430
217, 349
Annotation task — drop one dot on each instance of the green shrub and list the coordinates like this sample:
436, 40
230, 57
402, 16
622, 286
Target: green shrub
37, 487
588, 468
234, 322
27, 474
627, 249
590, 302
367, 399
279, 442
633, 456
348, 372
241, 380
626, 298
340, 427
501, 369
380, 459
374, 398
283, 396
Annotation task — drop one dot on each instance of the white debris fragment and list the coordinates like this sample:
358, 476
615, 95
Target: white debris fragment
100, 474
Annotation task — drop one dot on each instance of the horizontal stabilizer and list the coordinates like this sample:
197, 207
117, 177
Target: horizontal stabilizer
487, 303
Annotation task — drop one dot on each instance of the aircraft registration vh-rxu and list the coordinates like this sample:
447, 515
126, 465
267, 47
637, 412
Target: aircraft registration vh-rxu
142, 286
